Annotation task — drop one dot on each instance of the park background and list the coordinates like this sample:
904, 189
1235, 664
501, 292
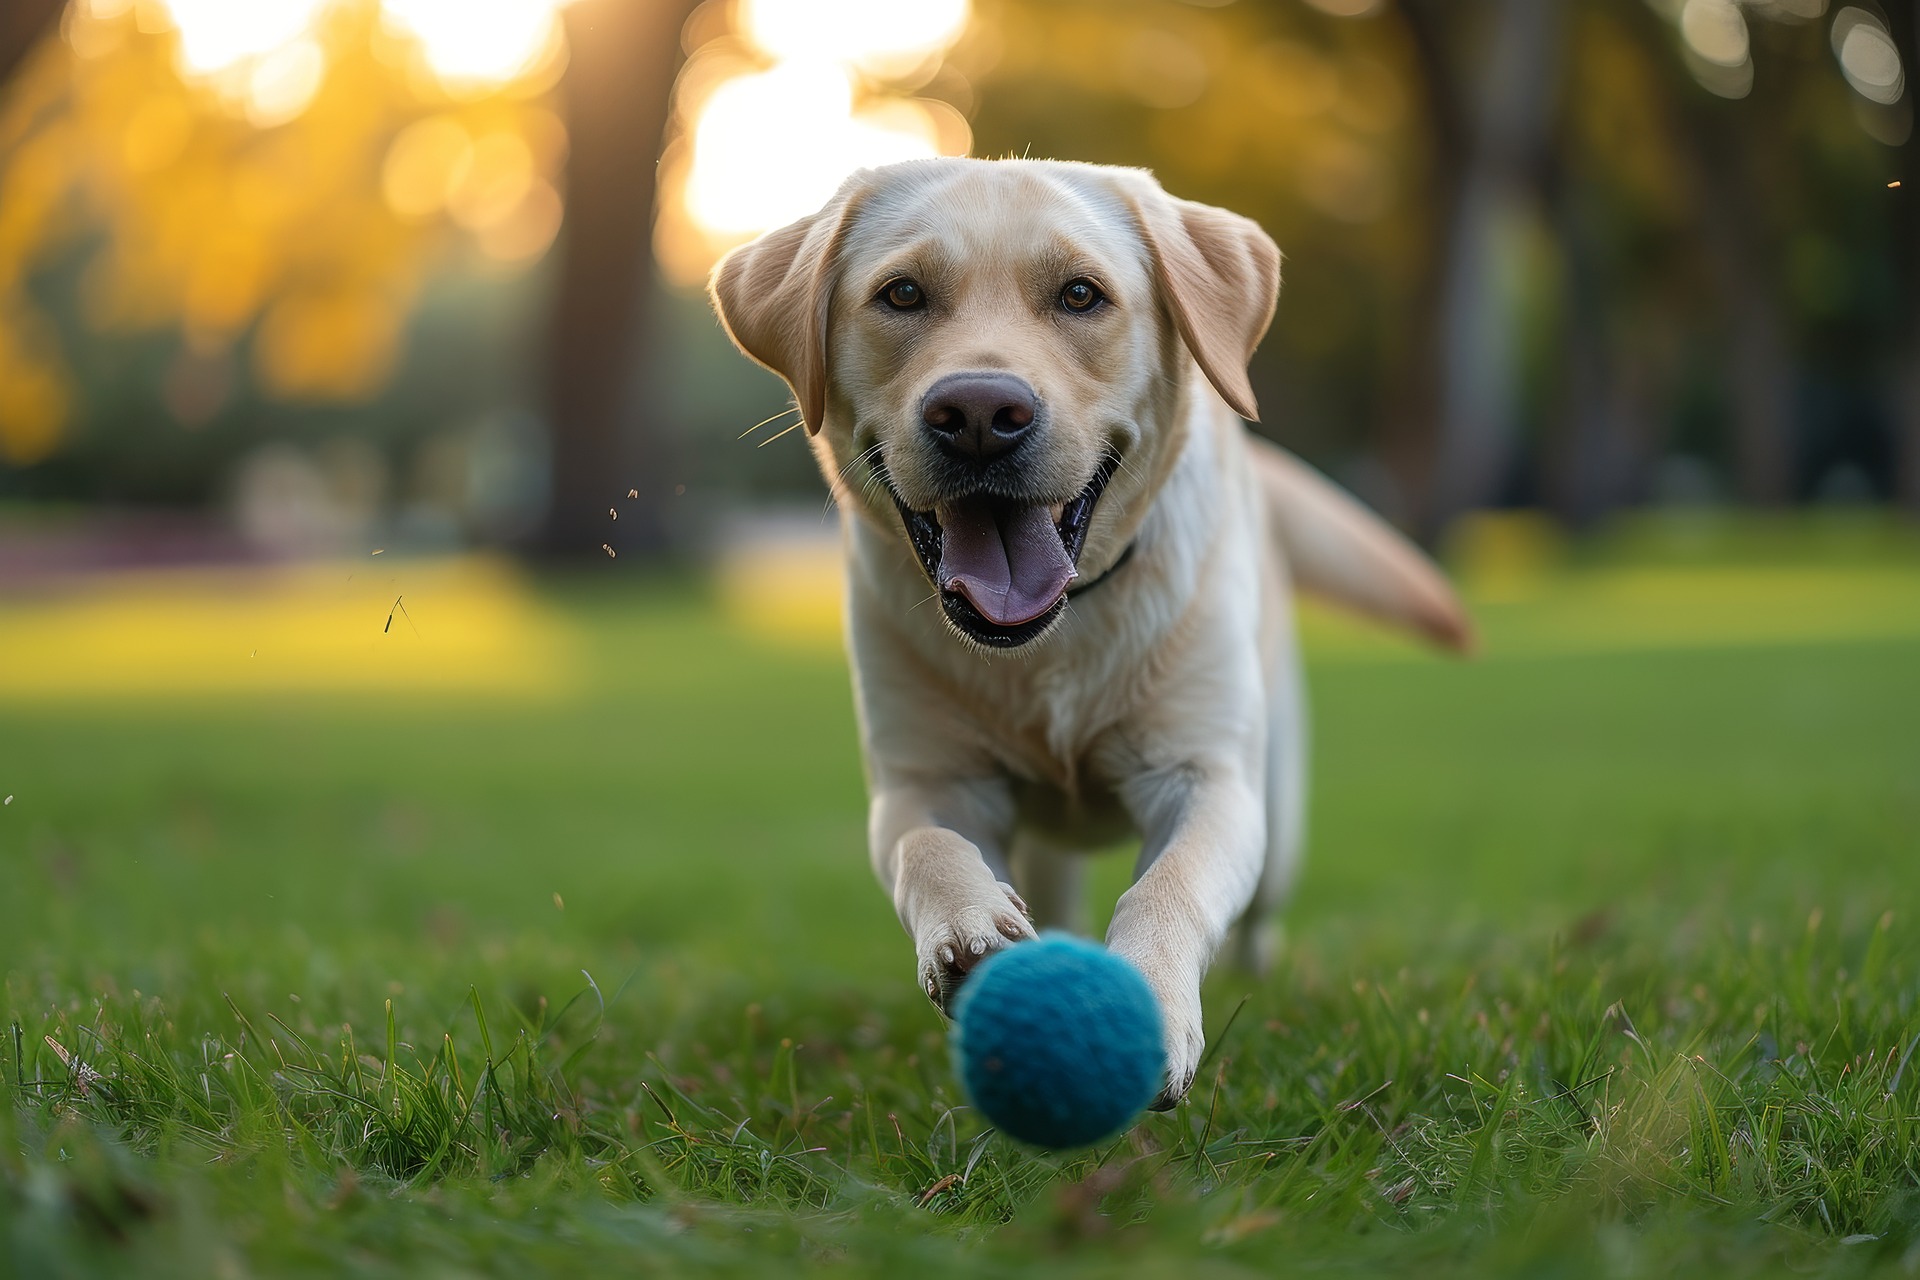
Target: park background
343, 273
432, 829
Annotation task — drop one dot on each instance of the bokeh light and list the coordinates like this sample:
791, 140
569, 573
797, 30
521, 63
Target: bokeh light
881, 37
1716, 44
1716, 31
1868, 57
216, 35
423, 165
283, 82
773, 116
468, 45
209, 158
772, 147
1348, 8
477, 44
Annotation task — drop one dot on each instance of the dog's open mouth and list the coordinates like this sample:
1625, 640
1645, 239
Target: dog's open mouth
1003, 567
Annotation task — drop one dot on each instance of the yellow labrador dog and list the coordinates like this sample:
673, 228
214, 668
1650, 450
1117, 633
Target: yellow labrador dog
1069, 564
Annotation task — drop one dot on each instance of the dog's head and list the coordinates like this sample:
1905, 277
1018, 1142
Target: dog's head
991, 357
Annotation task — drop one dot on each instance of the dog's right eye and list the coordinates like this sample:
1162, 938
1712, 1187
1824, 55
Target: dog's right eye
903, 295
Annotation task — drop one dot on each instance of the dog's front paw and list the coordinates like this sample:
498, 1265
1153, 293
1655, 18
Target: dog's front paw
949, 951
1186, 1040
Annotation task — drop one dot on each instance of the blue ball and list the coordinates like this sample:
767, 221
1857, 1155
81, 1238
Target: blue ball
1057, 1042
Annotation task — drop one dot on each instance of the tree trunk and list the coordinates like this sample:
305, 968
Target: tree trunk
1471, 330
1599, 439
1903, 21
623, 55
1412, 408
22, 24
1758, 366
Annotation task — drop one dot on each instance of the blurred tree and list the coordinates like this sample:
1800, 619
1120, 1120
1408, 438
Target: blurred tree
182, 246
1530, 250
1611, 194
607, 438
1496, 136
1716, 140
1312, 124
1903, 21
1532, 243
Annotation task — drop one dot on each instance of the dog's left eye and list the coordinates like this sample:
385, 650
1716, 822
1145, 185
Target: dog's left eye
1081, 295
903, 294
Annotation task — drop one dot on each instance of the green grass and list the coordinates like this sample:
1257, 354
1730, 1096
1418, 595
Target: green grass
1604, 963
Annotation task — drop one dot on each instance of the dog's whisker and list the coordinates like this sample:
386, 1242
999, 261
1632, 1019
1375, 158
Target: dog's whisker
842, 477
866, 455
865, 492
1120, 463
776, 435
873, 483
764, 421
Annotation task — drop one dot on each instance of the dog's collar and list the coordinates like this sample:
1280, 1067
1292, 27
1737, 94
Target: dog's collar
1112, 569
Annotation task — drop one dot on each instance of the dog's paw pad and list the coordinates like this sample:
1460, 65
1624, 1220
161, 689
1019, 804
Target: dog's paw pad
959, 945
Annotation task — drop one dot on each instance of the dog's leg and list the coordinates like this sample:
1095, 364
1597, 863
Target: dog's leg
1205, 839
1257, 937
947, 876
1052, 881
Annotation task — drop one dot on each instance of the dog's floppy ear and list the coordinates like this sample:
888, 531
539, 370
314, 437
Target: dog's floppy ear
1221, 275
772, 298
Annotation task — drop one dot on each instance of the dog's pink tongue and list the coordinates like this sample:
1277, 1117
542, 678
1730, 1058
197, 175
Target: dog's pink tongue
1008, 561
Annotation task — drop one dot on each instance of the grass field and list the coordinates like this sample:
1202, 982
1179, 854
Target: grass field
1606, 960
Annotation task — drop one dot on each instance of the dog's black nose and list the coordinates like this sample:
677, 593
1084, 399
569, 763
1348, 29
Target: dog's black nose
979, 416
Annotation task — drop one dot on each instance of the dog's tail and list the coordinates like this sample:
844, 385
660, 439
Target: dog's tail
1345, 553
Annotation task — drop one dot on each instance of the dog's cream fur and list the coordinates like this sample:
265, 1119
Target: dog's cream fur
1165, 702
